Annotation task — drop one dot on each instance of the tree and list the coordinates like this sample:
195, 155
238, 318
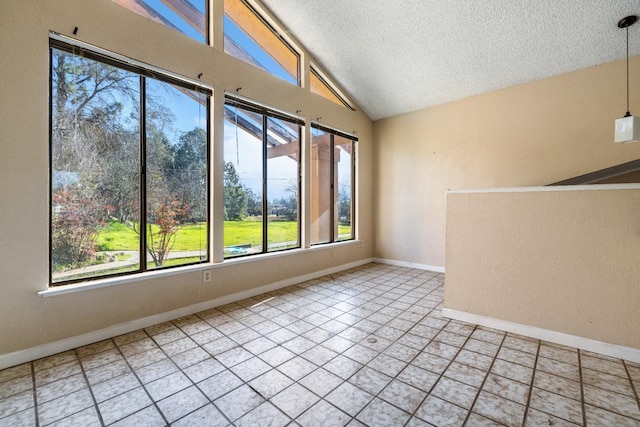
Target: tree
291, 203
235, 195
254, 203
188, 180
75, 226
344, 206
167, 217
95, 129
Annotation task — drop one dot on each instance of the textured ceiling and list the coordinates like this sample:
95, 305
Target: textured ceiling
395, 56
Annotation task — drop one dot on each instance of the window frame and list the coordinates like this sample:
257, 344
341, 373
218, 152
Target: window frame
267, 112
147, 11
277, 34
315, 72
332, 184
142, 71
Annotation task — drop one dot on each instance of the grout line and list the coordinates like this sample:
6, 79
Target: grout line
86, 381
484, 380
35, 393
633, 387
584, 413
533, 379
133, 371
385, 348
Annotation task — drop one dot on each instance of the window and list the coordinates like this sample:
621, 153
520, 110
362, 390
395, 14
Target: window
129, 168
261, 180
332, 185
321, 86
249, 38
186, 16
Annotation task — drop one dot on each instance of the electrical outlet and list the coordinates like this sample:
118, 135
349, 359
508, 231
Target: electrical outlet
206, 276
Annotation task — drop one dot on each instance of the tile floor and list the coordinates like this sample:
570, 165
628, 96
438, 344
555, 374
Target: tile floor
365, 347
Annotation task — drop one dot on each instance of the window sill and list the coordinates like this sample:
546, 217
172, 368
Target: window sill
150, 275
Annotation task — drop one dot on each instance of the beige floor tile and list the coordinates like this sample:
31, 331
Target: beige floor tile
15, 386
321, 381
455, 392
123, 405
294, 400
239, 402
323, 414
438, 412
349, 398
537, 418
607, 382
611, 401
64, 406
556, 405
379, 413
598, 417
499, 409
16, 403
612, 367
95, 348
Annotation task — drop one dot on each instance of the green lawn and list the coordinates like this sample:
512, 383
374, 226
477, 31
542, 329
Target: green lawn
250, 232
118, 237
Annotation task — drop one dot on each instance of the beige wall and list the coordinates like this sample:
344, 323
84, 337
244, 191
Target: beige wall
29, 320
532, 134
565, 260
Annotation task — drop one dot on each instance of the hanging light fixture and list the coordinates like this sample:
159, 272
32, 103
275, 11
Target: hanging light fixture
628, 127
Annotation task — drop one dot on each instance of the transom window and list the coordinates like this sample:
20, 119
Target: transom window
332, 185
247, 36
129, 168
261, 180
187, 16
321, 86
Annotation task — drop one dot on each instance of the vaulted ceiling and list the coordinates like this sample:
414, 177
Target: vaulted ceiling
395, 56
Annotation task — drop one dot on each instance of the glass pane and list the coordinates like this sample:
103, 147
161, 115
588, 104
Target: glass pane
243, 172
321, 229
320, 87
343, 155
249, 39
95, 151
283, 146
186, 16
176, 183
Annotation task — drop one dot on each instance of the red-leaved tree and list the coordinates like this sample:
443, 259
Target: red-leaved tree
165, 220
75, 225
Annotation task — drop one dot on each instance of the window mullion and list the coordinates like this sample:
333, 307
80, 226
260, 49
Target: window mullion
332, 196
142, 225
265, 201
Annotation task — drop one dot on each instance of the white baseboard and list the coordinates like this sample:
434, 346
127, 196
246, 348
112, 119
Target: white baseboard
435, 268
11, 359
613, 350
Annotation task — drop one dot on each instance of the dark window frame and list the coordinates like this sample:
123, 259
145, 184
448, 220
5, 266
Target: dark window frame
268, 112
279, 36
103, 57
332, 184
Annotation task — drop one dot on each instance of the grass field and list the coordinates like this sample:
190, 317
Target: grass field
118, 237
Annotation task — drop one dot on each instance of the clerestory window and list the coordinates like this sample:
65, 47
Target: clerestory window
320, 85
129, 167
187, 16
248, 37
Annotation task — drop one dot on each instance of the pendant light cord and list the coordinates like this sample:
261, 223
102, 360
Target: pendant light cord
628, 112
